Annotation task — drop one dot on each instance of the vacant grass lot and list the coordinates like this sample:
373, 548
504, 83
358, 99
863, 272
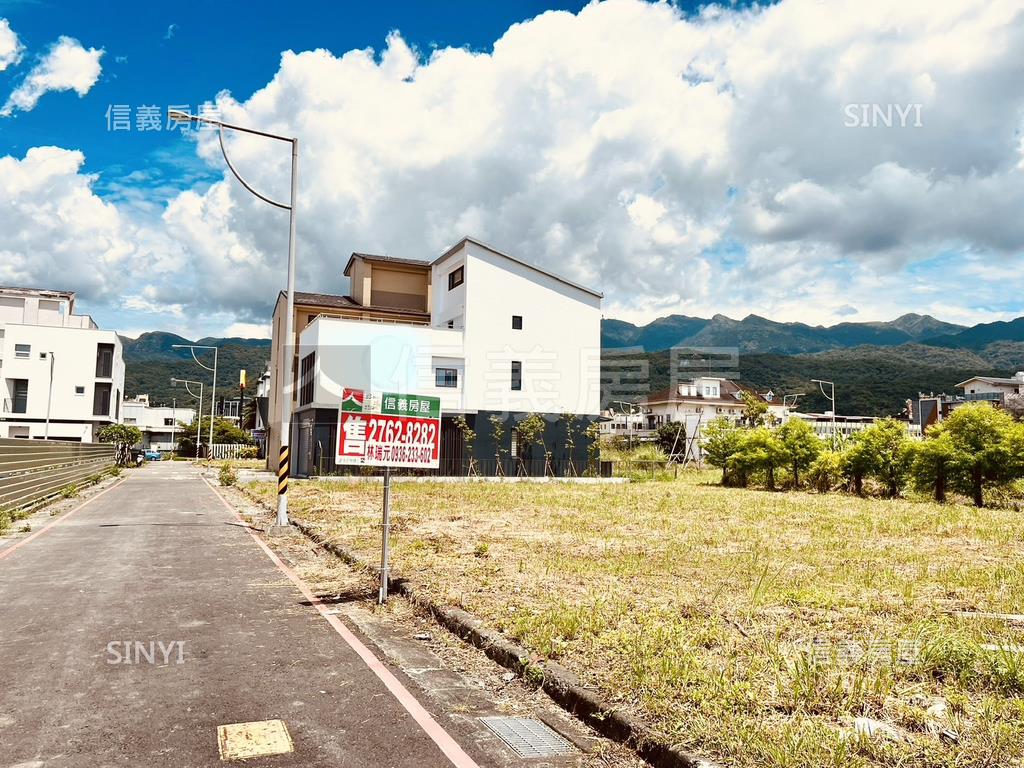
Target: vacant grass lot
749, 627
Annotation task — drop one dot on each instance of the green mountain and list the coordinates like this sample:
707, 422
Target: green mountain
870, 380
151, 362
980, 336
758, 334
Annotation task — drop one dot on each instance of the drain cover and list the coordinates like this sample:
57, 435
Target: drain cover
528, 737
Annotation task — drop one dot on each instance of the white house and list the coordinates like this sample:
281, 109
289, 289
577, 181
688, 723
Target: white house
158, 423
991, 388
60, 375
487, 333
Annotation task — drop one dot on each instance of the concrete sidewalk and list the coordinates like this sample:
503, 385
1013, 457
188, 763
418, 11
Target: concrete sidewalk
158, 563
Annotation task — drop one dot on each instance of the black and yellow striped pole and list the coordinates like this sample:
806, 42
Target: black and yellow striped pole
282, 472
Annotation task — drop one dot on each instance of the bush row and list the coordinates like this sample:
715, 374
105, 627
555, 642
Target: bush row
976, 449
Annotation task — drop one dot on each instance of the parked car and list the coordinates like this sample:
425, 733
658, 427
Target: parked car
153, 455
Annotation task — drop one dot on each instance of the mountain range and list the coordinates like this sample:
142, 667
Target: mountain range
759, 334
876, 365
151, 361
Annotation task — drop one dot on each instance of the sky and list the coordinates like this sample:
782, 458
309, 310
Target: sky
804, 160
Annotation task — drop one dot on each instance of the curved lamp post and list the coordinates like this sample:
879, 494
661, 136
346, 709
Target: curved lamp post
286, 383
199, 415
213, 393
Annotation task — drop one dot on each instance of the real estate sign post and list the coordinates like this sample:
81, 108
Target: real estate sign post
389, 430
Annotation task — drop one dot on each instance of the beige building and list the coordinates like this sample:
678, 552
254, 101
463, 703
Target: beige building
384, 289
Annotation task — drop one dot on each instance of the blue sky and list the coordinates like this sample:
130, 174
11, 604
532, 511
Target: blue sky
678, 160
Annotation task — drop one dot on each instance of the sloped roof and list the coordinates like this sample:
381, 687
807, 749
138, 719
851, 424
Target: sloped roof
384, 259
527, 264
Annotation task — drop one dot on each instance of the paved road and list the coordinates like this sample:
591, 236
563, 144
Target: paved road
159, 559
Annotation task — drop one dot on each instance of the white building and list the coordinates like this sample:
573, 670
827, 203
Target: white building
158, 423
616, 424
991, 388
485, 332
60, 375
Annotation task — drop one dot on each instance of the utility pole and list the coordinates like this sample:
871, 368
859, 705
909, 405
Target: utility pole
284, 460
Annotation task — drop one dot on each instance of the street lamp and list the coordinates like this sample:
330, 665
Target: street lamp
832, 398
629, 418
199, 416
286, 398
213, 393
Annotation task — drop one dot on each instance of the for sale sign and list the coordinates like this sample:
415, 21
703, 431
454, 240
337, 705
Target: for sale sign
406, 432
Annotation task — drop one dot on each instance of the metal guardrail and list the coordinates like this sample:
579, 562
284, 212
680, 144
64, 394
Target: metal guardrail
31, 470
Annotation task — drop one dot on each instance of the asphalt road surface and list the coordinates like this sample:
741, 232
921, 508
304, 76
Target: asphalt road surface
140, 622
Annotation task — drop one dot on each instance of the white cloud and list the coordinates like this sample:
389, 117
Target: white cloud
247, 331
66, 67
57, 233
693, 164
10, 47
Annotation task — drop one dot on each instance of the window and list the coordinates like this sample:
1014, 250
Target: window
517, 322
22, 350
42, 355
104, 362
514, 452
19, 395
456, 277
446, 377
168, 422
130, 420
451, 323
517, 374
306, 379
79, 391
101, 400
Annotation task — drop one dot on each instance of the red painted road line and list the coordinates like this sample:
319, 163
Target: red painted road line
430, 726
5, 552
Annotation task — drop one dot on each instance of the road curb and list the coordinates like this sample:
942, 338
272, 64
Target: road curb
558, 682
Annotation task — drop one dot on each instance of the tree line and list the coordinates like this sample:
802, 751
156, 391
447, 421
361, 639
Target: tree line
977, 449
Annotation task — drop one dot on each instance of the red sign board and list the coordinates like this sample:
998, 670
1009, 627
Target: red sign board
386, 440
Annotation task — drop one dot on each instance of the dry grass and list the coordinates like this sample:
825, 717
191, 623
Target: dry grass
746, 626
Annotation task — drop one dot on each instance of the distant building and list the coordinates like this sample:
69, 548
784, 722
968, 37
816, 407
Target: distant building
159, 424
615, 423
931, 408
59, 373
692, 404
822, 423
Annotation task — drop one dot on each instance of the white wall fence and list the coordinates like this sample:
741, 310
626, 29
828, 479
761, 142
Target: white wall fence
227, 450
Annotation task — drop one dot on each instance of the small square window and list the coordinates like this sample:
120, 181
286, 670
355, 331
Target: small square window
517, 322
517, 375
446, 377
79, 390
42, 355
456, 277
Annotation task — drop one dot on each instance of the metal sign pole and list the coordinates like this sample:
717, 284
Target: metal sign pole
385, 533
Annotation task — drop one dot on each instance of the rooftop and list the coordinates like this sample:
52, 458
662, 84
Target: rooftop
384, 260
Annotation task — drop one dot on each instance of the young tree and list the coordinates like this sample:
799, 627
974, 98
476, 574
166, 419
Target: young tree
720, 440
498, 436
801, 446
468, 436
880, 451
983, 440
671, 438
224, 431
826, 472
933, 462
755, 409
570, 420
529, 431
123, 436
759, 451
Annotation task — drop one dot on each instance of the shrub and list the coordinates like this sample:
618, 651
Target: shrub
68, 491
986, 446
227, 475
826, 472
881, 451
720, 440
761, 453
801, 446
249, 452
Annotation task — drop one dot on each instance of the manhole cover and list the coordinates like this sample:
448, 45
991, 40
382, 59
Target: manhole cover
528, 737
